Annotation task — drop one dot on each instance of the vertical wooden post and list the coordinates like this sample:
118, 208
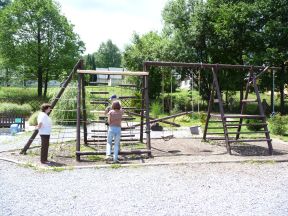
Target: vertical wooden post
146, 96
215, 70
211, 100
243, 104
142, 105
270, 148
78, 130
84, 107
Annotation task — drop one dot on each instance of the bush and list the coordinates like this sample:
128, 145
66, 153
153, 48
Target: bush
65, 111
278, 124
13, 109
252, 127
19, 95
184, 118
33, 119
156, 109
203, 117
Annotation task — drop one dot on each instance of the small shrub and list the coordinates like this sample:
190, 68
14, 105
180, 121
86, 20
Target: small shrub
156, 109
65, 111
15, 109
20, 95
278, 124
184, 118
252, 127
203, 117
33, 119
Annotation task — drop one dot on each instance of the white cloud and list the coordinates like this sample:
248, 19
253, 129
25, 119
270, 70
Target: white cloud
97, 21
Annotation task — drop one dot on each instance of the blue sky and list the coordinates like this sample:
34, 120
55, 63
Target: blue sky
97, 21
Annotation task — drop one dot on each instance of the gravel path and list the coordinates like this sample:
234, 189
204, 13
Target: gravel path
207, 189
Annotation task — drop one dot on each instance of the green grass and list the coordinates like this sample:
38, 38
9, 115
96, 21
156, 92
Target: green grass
258, 162
115, 166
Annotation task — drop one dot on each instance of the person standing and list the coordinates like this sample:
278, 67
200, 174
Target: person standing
114, 131
44, 127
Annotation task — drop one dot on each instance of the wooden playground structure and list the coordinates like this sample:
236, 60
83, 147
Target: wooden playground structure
98, 138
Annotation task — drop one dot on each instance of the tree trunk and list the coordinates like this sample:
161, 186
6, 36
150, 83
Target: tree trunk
281, 88
39, 63
46, 84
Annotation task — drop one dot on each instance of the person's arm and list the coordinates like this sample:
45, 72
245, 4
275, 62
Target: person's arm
39, 125
107, 110
109, 116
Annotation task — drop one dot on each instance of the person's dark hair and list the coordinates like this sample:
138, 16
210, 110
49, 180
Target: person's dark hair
45, 106
116, 105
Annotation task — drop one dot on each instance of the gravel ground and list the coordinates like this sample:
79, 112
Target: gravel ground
207, 189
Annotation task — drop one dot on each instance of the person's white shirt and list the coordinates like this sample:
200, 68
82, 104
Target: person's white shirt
46, 123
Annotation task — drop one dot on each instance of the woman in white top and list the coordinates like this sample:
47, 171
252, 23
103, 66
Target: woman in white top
44, 126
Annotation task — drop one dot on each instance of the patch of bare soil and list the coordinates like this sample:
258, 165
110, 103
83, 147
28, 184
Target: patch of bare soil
172, 150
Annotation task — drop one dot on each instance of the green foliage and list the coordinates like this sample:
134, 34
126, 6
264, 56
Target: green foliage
184, 119
33, 119
64, 113
108, 55
35, 36
148, 47
252, 127
15, 109
203, 117
278, 124
156, 109
22, 95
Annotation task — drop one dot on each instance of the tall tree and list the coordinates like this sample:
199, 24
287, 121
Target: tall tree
108, 55
35, 35
4, 3
148, 47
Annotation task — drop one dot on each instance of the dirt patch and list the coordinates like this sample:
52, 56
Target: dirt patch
172, 150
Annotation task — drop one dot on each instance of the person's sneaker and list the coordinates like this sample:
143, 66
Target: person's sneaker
116, 161
108, 158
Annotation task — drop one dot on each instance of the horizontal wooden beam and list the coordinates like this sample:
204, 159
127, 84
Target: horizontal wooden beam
120, 152
205, 65
123, 73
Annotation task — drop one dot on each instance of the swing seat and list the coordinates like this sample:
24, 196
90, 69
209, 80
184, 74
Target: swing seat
195, 130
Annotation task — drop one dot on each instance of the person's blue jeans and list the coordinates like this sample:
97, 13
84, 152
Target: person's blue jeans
113, 132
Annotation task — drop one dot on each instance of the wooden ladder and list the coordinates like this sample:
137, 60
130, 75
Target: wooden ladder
230, 121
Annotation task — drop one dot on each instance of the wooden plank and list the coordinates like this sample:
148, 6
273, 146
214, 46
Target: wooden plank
251, 140
251, 124
105, 136
139, 151
99, 102
216, 138
100, 131
127, 97
99, 92
105, 140
98, 83
245, 116
126, 73
248, 132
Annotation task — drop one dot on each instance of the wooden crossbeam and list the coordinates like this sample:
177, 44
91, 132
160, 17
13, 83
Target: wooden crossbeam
123, 73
